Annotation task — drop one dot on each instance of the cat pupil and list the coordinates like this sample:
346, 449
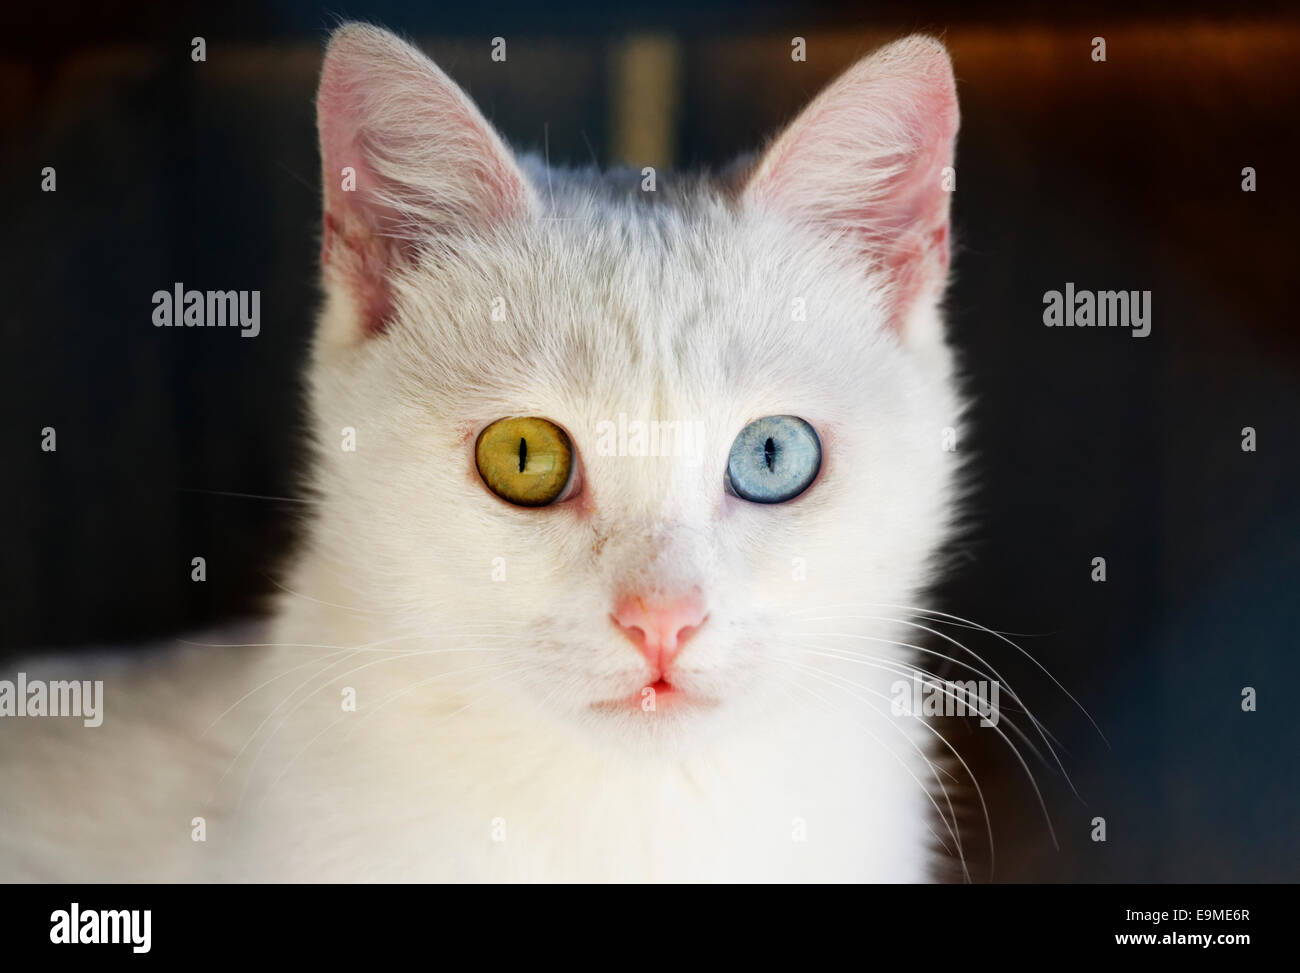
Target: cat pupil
523, 453
769, 454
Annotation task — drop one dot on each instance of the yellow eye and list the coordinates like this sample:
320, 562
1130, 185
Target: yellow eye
525, 461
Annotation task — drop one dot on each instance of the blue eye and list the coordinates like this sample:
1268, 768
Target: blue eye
774, 459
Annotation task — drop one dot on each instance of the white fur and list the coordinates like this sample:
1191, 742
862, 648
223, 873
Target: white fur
474, 713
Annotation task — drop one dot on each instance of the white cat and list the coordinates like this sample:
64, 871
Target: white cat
506, 652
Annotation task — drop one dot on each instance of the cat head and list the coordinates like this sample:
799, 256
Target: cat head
631, 443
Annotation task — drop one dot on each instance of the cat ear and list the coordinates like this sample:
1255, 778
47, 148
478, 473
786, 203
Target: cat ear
865, 161
406, 158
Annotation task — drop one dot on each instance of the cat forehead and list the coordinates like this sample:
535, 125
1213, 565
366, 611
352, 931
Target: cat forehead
637, 299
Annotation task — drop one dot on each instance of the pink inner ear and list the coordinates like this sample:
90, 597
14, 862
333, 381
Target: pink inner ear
363, 260
425, 163
917, 257
866, 159
353, 247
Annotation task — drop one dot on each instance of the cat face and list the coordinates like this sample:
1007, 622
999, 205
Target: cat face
634, 445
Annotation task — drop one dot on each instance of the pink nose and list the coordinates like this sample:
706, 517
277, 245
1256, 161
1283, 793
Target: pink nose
659, 627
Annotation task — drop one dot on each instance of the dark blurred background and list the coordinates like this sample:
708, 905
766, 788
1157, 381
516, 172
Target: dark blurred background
1125, 174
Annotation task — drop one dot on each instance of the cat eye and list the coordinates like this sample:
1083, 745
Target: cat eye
525, 461
773, 460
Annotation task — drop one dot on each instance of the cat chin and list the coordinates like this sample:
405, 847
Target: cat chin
664, 734
662, 724
677, 709
681, 723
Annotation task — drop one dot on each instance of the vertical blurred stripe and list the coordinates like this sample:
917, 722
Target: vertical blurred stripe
645, 92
